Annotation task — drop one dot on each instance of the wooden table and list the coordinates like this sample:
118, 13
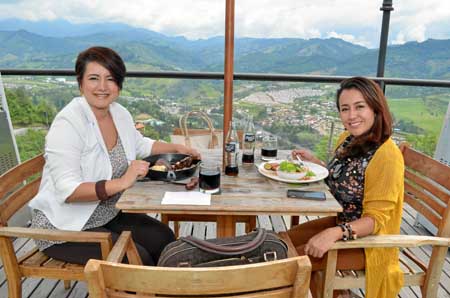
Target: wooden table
242, 198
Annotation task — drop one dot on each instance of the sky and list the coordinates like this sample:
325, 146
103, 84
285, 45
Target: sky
356, 21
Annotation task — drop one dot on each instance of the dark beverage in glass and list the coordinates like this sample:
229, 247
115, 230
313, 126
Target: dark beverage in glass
269, 147
209, 178
269, 154
248, 158
209, 182
231, 170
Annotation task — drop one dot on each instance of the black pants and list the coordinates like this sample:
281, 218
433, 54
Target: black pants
149, 235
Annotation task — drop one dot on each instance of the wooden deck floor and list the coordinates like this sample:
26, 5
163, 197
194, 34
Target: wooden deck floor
41, 288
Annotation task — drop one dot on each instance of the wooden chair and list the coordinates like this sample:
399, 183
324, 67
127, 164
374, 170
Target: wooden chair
427, 190
17, 187
283, 278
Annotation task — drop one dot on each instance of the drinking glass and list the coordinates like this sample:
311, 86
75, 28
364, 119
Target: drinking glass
258, 143
258, 139
209, 177
269, 148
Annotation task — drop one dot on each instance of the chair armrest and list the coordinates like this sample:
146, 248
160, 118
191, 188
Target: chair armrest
124, 245
55, 235
384, 241
120, 247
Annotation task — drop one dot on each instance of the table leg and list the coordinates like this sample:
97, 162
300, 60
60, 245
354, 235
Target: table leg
165, 218
250, 225
226, 226
295, 219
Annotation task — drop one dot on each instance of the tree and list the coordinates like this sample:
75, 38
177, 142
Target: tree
424, 143
31, 143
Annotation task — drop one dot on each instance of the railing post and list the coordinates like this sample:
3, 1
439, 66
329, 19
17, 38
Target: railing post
386, 8
228, 71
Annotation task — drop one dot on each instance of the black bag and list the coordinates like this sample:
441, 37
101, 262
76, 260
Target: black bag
257, 246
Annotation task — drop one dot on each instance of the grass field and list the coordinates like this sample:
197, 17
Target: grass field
427, 114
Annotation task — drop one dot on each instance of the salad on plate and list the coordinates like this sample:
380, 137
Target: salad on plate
290, 170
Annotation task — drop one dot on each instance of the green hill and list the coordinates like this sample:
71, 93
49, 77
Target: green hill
147, 50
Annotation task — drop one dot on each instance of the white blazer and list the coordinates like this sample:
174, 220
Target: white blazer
75, 153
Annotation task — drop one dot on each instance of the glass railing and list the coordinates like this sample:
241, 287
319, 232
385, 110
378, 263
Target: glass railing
299, 109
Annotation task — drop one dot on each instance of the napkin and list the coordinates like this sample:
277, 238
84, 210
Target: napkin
186, 198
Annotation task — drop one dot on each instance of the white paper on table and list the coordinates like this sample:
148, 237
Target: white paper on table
186, 198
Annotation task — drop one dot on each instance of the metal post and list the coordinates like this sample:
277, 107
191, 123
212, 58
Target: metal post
330, 142
386, 8
228, 71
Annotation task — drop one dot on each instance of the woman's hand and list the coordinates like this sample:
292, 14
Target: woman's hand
304, 154
320, 243
136, 169
189, 151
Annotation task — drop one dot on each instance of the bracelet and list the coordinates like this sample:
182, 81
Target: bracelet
100, 190
350, 231
344, 229
351, 234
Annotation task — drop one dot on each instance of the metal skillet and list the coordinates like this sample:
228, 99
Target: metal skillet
170, 175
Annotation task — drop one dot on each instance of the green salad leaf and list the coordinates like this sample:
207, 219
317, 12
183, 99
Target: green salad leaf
310, 174
290, 167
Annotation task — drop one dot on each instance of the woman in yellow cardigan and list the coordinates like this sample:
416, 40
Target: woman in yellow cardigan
366, 178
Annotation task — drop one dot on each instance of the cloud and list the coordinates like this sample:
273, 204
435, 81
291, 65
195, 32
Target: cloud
349, 38
399, 39
415, 20
357, 21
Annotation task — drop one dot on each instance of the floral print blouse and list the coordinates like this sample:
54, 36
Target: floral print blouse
346, 181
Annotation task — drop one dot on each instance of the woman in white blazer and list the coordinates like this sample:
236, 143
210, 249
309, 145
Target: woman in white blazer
92, 154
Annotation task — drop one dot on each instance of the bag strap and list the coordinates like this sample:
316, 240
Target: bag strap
227, 250
182, 121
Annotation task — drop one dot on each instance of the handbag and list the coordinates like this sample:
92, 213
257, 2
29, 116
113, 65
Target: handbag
257, 246
208, 138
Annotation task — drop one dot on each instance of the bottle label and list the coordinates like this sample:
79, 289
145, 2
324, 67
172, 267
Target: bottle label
249, 137
230, 147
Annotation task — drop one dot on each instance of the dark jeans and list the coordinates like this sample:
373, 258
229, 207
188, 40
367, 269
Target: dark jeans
149, 235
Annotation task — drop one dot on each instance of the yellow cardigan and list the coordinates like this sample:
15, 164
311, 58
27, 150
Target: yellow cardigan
383, 201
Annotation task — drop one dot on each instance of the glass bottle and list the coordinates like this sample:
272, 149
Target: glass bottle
231, 151
248, 152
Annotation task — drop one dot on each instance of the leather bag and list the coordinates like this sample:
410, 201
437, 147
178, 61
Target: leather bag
206, 138
257, 246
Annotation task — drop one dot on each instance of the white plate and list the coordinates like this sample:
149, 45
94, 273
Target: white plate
321, 172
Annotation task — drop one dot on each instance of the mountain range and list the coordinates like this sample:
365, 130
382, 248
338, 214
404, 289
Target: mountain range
54, 45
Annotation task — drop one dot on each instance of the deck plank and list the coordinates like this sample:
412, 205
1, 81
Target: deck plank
199, 230
44, 289
264, 222
79, 290
59, 291
278, 223
29, 285
211, 230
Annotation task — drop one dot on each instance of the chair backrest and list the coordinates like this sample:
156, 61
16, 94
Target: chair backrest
18, 186
283, 278
427, 188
